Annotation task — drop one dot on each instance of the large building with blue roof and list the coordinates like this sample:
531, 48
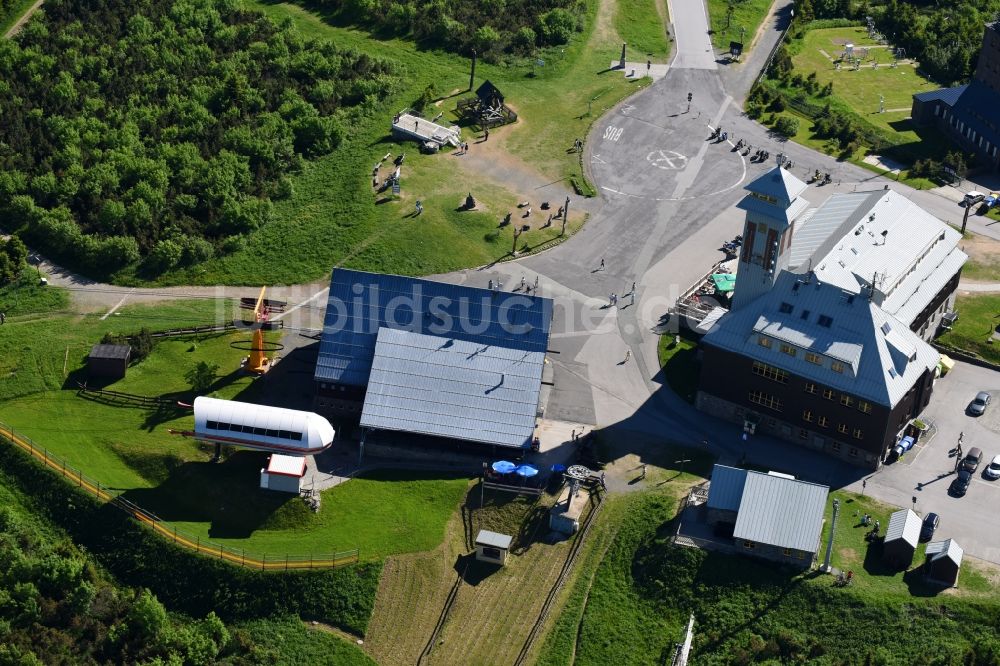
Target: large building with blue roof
437, 359
826, 344
968, 113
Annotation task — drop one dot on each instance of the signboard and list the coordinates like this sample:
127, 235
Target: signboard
735, 49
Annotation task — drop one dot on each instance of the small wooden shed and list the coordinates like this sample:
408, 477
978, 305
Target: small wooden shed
283, 473
108, 361
901, 538
492, 547
944, 560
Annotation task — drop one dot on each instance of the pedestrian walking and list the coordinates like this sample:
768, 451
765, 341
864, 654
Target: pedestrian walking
649, 64
603, 484
633, 287
611, 299
486, 134
522, 282
628, 355
420, 207
643, 475
536, 282
491, 285
602, 258
3, 318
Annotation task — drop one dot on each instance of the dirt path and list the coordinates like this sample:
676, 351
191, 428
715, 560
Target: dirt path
766, 24
16, 28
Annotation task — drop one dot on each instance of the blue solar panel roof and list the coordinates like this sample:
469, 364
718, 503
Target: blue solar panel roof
361, 303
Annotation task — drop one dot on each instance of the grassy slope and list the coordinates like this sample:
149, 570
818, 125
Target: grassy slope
680, 365
332, 219
746, 611
291, 643
16, 12
747, 14
976, 323
640, 26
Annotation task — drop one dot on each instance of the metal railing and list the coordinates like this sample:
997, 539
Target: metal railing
239, 557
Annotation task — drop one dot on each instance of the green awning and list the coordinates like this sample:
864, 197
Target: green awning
724, 282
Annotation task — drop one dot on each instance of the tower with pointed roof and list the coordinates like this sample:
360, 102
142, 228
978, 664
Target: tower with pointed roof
772, 206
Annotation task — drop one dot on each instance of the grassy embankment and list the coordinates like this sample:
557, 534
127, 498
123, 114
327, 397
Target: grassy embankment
680, 364
747, 14
639, 599
979, 317
857, 93
16, 11
333, 218
640, 25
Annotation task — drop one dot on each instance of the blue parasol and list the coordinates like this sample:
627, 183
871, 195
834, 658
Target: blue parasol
504, 467
527, 471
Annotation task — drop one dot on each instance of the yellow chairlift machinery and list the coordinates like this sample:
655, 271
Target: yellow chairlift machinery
258, 361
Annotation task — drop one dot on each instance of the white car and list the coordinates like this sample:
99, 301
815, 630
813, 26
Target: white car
992, 470
973, 197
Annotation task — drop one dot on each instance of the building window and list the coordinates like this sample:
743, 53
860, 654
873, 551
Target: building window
846, 400
804, 315
810, 388
764, 341
835, 447
800, 554
814, 358
770, 372
823, 422
788, 349
803, 433
787, 552
837, 366
749, 545
785, 308
765, 400
858, 434
865, 406
842, 428
807, 416
828, 394
853, 452
824, 321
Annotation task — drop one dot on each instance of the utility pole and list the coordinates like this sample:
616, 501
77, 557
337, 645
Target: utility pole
565, 217
513, 249
829, 541
965, 218
690, 96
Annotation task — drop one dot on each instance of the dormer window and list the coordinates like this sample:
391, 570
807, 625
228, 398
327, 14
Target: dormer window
805, 315
785, 308
824, 321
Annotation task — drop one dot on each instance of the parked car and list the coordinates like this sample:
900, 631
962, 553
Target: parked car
972, 459
931, 522
973, 197
991, 200
961, 483
992, 470
979, 403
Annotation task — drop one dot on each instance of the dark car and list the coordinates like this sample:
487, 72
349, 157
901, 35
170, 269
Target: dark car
979, 403
931, 522
972, 459
961, 483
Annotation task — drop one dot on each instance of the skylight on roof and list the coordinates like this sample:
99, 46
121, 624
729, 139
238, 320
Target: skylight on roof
886, 328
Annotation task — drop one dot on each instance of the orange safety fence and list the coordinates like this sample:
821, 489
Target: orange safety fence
187, 540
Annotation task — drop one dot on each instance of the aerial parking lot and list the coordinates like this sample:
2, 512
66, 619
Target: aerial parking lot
926, 472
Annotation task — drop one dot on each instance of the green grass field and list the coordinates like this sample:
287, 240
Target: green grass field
747, 611
979, 316
680, 365
748, 14
640, 25
288, 642
332, 217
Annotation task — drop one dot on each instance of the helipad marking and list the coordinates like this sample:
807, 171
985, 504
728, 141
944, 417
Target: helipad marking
669, 160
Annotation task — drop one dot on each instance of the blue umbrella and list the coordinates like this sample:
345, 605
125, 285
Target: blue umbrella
527, 471
504, 467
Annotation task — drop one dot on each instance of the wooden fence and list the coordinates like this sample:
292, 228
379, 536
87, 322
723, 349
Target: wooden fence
193, 542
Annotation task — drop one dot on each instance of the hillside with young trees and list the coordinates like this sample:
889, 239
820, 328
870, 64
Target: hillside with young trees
492, 27
154, 135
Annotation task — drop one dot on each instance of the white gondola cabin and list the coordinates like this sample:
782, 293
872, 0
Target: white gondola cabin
246, 425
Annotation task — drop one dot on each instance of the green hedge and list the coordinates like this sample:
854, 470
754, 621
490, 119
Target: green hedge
185, 581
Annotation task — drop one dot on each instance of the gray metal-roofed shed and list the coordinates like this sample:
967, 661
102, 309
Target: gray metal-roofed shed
944, 560
901, 538
724, 493
492, 547
781, 518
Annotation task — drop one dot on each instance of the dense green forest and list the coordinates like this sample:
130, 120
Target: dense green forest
944, 37
65, 562
492, 27
160, 131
